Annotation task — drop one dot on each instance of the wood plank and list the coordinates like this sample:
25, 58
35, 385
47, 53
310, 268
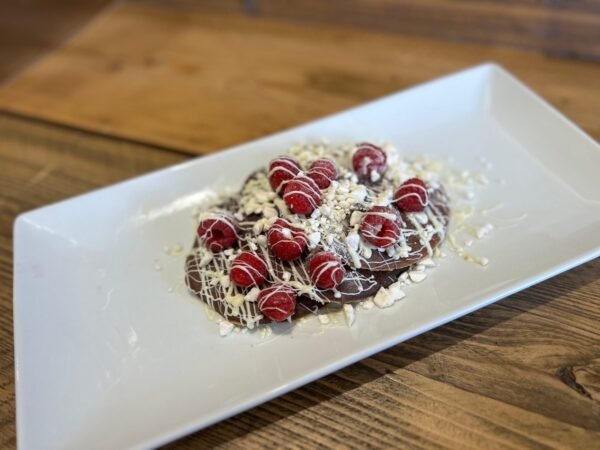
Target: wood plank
200, 82
521, 373
562, 28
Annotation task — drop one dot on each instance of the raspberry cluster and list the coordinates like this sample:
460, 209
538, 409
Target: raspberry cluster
301, 190
381, 226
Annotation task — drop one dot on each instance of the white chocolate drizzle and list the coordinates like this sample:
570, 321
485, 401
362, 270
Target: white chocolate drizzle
332, 226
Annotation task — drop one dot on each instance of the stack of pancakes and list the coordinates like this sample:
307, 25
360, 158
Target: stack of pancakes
207, 273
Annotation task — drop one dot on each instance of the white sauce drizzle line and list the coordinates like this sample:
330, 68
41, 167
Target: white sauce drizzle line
324, 171
253, 273
292, 238
313, 195
323, 267
390, 236
413, 194
219, 216
291, 169
274, 290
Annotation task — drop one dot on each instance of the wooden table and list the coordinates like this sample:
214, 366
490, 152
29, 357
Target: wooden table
144, 86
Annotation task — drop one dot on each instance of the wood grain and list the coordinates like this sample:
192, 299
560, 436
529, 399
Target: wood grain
565, 27
200, 82
523, 373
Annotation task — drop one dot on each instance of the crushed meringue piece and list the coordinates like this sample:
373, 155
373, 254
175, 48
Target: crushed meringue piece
265, 331
386, 297
235, 300
225, 328
252, 295
416, 277
314, 239
350, 314
483, 230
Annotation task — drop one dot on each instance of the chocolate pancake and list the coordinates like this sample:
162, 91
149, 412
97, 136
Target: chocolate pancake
367, 268
207, 277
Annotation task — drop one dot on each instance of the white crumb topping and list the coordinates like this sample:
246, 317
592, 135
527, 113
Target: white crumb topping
335, 224
483, 230
417, 276
386, 297
225, 328
265, 331
252, 295
350, 314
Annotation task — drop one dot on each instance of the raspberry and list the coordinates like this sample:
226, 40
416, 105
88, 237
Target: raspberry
381, 226
323, 171
286, 241
412, 196
326, 270
302, 195
277, 302
248, 269
281, 170
369, 161
218, 231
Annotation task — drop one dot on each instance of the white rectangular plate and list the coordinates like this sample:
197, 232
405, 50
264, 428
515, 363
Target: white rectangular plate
113, 353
